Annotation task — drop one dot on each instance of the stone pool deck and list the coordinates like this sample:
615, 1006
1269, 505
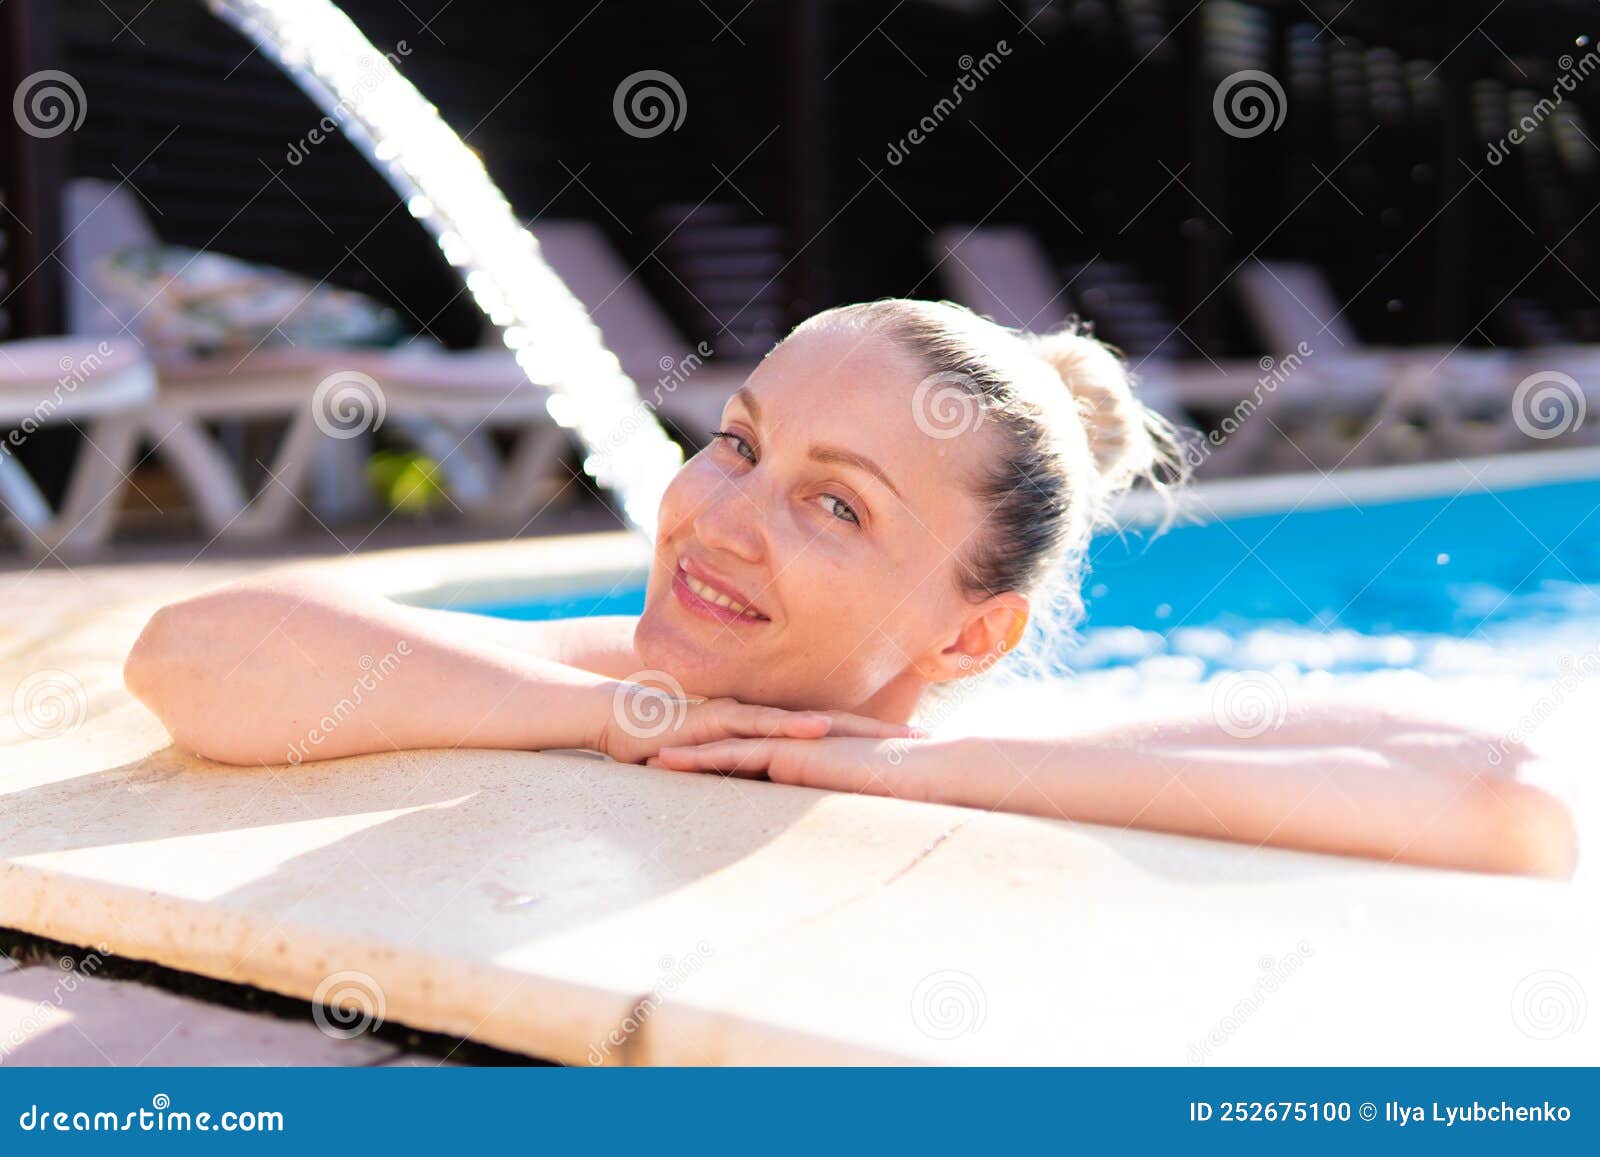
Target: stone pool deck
563, 907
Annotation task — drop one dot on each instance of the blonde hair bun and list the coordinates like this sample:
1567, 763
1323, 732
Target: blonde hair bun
1128, 439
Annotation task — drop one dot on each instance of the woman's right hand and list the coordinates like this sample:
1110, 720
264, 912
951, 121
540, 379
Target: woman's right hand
644, 719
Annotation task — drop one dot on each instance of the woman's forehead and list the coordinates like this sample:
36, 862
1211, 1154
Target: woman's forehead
856, 390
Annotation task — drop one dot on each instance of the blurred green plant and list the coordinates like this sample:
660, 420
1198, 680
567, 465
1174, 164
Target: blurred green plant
407, 482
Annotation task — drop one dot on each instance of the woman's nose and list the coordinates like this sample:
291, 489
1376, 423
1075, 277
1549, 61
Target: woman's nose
733, 521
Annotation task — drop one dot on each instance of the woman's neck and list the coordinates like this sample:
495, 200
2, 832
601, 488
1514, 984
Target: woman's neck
896, 701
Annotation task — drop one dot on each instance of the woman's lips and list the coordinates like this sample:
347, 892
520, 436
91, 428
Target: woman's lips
703, 606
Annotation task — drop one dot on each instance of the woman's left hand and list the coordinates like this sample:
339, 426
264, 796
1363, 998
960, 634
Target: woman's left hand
904, 768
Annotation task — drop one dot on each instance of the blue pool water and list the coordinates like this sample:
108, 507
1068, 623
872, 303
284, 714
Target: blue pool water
1393, 584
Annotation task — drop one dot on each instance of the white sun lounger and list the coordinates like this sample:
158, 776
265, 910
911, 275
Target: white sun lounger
450, 397
446, 401
100, 389
1003, 273
1432, 400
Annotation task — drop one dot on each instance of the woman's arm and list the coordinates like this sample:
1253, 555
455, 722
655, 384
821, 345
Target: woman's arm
289, 669
600, 643
1345, 800
285, 669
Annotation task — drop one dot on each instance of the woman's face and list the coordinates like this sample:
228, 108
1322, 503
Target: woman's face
832, 521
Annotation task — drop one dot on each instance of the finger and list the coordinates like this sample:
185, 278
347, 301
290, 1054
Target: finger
754, 721
844, 723
801, 762
748, 757
795, 724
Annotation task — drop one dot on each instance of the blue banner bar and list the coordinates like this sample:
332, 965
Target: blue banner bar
817, 1111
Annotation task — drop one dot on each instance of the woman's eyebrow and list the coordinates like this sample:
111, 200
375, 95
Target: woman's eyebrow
824, 453
850, 458
743, 394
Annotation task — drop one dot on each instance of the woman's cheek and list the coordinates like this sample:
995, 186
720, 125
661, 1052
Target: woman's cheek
688, 491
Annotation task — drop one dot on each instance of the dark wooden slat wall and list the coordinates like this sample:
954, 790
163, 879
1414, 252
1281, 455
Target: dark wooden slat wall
1412, 228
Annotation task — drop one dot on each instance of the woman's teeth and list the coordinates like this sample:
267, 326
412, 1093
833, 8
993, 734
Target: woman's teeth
712, 596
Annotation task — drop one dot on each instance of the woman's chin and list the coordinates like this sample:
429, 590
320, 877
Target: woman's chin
700, 669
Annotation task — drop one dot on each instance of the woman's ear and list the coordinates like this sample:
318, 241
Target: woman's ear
992, 631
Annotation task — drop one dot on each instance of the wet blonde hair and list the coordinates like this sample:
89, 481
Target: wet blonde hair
1073, 437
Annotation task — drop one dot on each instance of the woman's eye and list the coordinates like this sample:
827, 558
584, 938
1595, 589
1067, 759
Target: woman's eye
840, 509
740, 446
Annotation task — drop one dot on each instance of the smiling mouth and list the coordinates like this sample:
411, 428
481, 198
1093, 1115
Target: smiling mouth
701, 596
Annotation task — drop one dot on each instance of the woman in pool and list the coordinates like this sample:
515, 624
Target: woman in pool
841, 551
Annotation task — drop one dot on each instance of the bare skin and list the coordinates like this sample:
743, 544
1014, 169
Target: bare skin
836, 527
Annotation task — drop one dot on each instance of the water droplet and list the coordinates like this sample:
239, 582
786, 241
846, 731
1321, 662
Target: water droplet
506, 900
